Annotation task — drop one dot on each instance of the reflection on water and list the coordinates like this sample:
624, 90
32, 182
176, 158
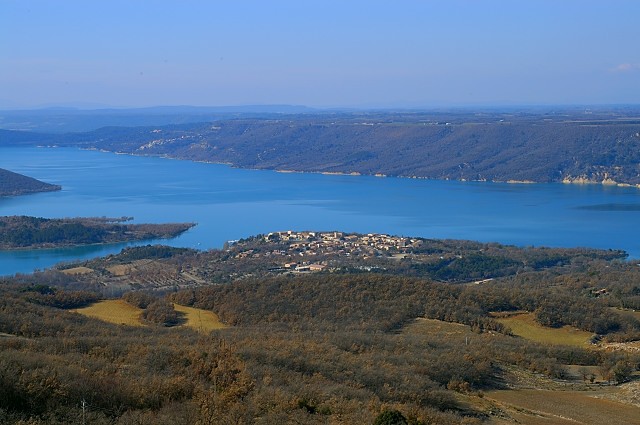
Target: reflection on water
229, 203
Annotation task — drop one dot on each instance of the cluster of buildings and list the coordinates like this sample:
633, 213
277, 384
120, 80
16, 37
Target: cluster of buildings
305, 249
348, 243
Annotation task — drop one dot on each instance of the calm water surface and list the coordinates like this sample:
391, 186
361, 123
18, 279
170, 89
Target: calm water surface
230, 203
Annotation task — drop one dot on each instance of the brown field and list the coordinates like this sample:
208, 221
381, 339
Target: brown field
77, 271
120, 270
524, 326
114, 311
422, 326
201, 320
561, 407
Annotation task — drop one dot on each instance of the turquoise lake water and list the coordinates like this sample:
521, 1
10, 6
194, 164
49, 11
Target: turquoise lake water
229, 204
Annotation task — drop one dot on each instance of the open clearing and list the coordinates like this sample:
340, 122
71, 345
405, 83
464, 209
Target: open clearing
524, 326
114, 311
562, 407
199, 319
77, 271
120, 312
439, 328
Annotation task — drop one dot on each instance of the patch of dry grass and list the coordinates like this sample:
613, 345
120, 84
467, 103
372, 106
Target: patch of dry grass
422, 326
199, 319
524, 326
114, 311
120, 312
77, 271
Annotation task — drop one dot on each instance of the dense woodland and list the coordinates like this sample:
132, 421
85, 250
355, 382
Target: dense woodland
12, 184
22, 232
339, 346
536, 145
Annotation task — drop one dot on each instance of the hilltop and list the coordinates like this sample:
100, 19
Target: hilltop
12, 184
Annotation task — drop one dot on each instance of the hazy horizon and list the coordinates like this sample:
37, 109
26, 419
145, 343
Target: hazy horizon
357, 54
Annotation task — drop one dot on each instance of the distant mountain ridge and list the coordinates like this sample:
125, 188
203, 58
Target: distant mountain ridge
576, 145
12, 184
68, 119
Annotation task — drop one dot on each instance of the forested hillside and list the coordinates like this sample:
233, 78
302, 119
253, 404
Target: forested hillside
330, 347
21, 232
538, 146
16, 184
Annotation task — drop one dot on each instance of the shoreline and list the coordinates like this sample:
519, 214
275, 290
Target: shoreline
66, 245
566, 180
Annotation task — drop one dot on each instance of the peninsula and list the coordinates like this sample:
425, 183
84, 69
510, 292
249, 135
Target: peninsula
12, 184
22, 232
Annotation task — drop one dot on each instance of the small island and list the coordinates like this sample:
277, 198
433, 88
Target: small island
13, 184
23, 232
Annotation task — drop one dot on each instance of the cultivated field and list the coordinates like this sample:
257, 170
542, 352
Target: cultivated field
524, 326
562, 407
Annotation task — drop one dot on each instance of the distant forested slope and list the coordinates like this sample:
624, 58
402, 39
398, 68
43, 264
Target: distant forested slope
527, 146
22, 232
16, 184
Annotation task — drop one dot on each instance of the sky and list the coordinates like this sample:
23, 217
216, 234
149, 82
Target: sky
326, 54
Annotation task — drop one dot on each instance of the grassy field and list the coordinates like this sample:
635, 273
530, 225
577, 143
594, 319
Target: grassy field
114, 311
562, 407
77, 271
422, 326
119, 312
198, 319
524, 326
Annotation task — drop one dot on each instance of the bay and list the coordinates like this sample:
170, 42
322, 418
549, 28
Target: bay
229, 203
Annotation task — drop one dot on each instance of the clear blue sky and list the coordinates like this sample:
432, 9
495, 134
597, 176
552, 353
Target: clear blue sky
319, 53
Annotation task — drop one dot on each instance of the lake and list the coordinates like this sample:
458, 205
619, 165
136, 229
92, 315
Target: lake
229, 203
